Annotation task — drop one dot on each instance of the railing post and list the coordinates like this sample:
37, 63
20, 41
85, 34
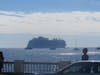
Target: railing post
19, 66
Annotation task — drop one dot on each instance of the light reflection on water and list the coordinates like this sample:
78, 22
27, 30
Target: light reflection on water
69, 54
93, 53
89, 53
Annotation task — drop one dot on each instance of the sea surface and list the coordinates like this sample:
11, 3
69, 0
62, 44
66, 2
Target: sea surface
47, 55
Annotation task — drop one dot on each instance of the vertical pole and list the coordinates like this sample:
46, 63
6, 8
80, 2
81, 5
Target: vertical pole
19, 66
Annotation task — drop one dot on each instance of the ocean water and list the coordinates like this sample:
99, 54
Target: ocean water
47, 55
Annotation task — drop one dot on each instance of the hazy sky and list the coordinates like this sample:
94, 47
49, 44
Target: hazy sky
47, 17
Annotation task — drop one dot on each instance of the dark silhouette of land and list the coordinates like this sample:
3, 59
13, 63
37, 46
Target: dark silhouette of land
42, 42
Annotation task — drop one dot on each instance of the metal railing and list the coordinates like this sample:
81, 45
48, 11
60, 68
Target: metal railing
40, 67
8, 67
32, 67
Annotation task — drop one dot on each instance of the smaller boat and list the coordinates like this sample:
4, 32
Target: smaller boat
98, 48
76, 49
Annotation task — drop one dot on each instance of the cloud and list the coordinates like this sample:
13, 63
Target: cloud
2, 25
17, 14
50, 23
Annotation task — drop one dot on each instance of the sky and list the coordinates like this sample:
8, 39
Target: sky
49, 5
71, 20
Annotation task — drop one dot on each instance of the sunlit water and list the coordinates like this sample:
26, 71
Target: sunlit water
11, 54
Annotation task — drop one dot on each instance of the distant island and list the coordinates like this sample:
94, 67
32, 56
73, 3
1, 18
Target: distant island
42, 42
